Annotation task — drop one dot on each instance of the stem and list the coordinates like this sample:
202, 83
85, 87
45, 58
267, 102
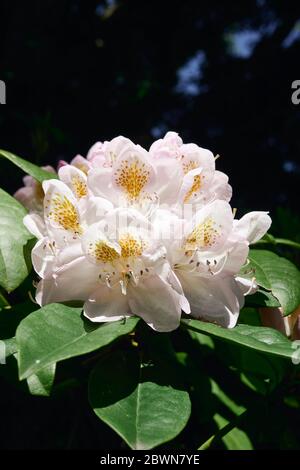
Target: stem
222, 432
4, 302
279, 241
284, 241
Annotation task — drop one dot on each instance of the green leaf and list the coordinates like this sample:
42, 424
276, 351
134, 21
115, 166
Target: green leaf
278, 275
13, 239
57, 332
142, 402
8, 347
259, 338
33, 170
11, 346
261, 298
40, 384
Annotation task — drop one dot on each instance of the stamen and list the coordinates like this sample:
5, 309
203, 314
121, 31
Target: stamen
134, 278
107, 280
123, 283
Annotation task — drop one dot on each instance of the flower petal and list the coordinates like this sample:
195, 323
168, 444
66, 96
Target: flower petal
168, 147
253, 225
100, 184
168, 180
95, 151
96, 209
210, 227
81, 163
216, 300
133, 173
219, 187
98, 247
35, 225
156, 302
43, 257
74, 281
61, 212
106, 304
75, 179
31, 197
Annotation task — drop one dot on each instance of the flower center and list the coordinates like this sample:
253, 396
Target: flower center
125, 266
132, 177
130, 246
204, 235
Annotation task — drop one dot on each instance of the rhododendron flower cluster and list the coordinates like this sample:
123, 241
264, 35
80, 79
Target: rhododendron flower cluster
149, 233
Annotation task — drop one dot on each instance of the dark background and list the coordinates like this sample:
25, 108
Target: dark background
217, 72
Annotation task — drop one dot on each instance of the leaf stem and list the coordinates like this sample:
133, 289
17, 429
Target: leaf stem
4, 302
278, 241
222, 432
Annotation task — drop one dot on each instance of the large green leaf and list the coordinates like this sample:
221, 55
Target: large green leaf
142, 402
259, 338
278, 275
56, 332
13, 239
38, 173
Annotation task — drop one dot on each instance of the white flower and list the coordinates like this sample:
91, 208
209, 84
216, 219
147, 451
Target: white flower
126, 176
104, 257
188, 173
131, 232
207, 253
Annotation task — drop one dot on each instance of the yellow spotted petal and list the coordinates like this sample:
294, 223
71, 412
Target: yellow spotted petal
132, 173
